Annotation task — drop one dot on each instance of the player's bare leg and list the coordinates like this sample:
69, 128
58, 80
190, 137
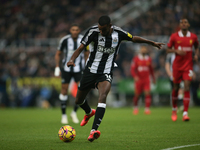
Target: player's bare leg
63, 98
103, 88
135, 102
186, 99
174, 101
147, 102
73, 113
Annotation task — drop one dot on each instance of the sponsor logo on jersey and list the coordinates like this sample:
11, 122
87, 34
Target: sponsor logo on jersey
191, 41
143, 68
107, 50
187, 48
178, 42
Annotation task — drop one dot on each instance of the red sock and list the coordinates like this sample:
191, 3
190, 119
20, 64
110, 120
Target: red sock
174, 98
135, 100
186, 100
147, 101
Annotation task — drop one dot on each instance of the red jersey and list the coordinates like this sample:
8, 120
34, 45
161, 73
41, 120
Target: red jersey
141, 67
185, 43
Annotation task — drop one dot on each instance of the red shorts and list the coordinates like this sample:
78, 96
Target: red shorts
142, 85
178, 75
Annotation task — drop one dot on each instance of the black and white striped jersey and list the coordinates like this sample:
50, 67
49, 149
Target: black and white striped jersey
68, 46
103, 49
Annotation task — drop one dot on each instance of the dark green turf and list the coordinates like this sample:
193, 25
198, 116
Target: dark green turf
36, 129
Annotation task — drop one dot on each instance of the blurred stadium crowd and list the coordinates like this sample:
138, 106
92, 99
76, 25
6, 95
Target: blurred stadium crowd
34, 19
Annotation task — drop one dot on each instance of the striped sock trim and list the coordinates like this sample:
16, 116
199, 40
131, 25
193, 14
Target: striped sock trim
63, 97
102, 105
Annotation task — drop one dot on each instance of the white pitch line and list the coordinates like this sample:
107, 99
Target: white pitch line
181, 147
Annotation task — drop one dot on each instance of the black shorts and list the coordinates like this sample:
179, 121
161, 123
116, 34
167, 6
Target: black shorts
66, 76
90, 80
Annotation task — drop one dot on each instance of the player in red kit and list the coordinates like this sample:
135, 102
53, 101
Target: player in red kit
181, 43
141, 70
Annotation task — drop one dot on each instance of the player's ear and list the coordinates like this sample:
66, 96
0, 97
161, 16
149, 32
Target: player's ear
70, 30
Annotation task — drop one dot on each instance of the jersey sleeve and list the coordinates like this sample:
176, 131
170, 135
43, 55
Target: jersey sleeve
171, 42
151, 69
125, 36
61, 45
88, 37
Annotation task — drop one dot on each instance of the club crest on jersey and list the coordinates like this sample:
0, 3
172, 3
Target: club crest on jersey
115, 41
108, 50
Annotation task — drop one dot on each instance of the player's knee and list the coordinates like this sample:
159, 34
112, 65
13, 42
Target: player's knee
64, 91
176, 87
186, 88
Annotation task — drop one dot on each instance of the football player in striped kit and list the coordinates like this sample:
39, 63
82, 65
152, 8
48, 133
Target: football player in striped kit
104, 40
67, 45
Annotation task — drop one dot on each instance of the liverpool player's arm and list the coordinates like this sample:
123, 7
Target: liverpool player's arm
152, 73
75, 55
196, 53
137, 39
176, 51
134, 69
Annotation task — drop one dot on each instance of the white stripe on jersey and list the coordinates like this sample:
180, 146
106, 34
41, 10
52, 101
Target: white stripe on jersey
90, 32
69, 50
111, 56
98, 55
61, 41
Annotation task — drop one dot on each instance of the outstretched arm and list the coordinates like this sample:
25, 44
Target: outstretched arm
179, 52
75, 55
137, 39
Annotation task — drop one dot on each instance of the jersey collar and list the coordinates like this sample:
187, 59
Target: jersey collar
143, 57
181, 34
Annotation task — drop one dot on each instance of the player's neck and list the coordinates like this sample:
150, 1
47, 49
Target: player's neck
184, 32
74, 38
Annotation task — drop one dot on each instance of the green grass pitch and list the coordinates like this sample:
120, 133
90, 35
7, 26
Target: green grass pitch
37, 129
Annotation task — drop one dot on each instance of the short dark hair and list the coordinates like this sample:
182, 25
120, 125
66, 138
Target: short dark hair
74, 25
104, 20
184, 17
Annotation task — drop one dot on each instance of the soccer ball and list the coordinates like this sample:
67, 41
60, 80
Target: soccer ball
67, 133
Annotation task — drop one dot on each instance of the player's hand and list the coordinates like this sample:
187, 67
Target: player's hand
57, 72
196, 58
180, 52
158, 45
70, 63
